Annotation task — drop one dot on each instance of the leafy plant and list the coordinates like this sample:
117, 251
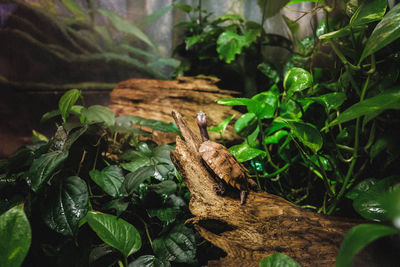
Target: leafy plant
100, 189
227, 46
78, 45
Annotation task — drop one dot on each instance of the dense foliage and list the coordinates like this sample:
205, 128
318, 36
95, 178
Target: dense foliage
96, 193
319, 130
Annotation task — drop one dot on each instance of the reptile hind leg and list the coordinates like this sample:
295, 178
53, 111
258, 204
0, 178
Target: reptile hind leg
219, 188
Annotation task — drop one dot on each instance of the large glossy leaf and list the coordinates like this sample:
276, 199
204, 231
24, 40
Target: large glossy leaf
109, 179
357, 238
387, 31
178, 245
360, 188
66, 101
15, 236
330, 101
134, 179
369, 203
167, 187
229, 43
244, 152
44, 167
220, 128
367, 12
275, 137
278, 260
374, 105
265, 104
125, 26
168, 127
307, 133
66, 206
167, 215
296, 80
158, 158
98, 113
246, 124
391, 203
149, 261
115, 231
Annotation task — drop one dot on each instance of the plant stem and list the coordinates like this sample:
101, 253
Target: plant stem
125, 261
269, 159
81, 162
355, 154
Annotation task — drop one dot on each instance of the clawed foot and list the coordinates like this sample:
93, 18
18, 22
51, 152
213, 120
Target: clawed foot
219, 188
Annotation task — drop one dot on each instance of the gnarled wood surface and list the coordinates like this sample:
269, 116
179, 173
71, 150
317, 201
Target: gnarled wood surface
155, 99
264, 225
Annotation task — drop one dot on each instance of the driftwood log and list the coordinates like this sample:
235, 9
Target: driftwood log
155, 99
264, 225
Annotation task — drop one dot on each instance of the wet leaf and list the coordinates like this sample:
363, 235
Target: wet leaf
244, 152
246, 124
15, 236
359, 237
296, 80
98, 113
66, 206
43, 168
115, 231
149, 261
66, 101
178, 245
109, 179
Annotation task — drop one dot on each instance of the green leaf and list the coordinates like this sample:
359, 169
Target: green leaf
308, 134
125, 26
275, 137
220, 128
374, 105
185, 8
269, 71
67, 100
66, 206
109, 179
166, 215
299, 1
74, 8
235, 101
98, 113
229, 44
360, 188
367, 12
134, 179
359, 237
15, 236
192, 40
296, 80
167, 187
368, 204
115, 231
168, 127
264, 104
44, 167
330, 101
244, 152
156, 15
178, 245
387, 31
158, 158
270, 8
246, 124
391, 203
278, 260
149, 261
119, 205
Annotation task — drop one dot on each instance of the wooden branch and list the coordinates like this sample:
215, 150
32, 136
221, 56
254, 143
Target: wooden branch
264, 225
154, 99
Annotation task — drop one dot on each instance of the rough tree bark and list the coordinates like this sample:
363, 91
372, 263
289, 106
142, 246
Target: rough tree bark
154, 99
264, 225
